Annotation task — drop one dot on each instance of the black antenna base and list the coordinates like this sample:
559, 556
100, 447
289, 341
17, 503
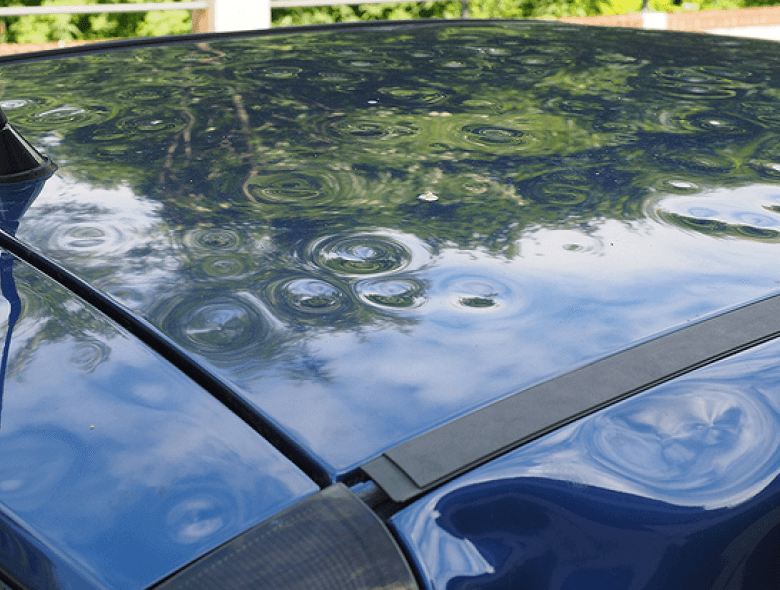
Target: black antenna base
19, 161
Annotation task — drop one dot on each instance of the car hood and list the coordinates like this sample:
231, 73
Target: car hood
367, 232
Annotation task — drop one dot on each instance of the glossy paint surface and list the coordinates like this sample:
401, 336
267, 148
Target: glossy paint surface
368, 232
115, 469
677, 487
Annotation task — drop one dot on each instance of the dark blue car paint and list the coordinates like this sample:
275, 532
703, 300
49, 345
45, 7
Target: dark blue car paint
371, 233
367, 232
116, 469
678, 487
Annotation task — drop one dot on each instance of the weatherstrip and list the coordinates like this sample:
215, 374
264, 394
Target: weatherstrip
435, 457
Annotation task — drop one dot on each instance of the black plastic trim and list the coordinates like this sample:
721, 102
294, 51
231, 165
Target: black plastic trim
328, 540
435, 457
174, 354
44, 170
20, 161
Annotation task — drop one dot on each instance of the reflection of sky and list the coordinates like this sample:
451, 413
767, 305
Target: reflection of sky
644, 486
274, 230
266, 212
555, 307
107, 230
709, 439
351, 382
115, 458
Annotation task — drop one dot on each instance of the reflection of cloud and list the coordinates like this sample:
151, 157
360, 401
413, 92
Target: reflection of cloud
125, 464
711, 439
553, 307
749, 213
661, 481
356, 337
100, 229
441, 550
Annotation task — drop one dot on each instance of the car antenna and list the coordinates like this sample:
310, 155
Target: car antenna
19, 161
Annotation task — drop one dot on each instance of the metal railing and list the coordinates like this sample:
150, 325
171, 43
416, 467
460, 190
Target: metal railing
234, 15
200, 9
207, 15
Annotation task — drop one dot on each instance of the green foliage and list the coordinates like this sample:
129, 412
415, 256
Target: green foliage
68, 27
491, 9
50, 27
285, 17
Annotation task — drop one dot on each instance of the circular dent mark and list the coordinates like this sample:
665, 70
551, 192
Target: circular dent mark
369, 64
199, 513
33, 304
146, 93
129, 297
212, 239
164, 122
692, 441
215, 326
715, 122
768, 169
416, 96
683, 117
742, 213
488, 134
282, 71
306, 298
337, 77
311, 296
285, 188
677, 185
359, 254
476, 293
692, 82
224, 266
88, 355
34, 465
8, 105
89, 238
695, 161
396, 292
315, 188
372, 130
766, 159
62, 116
562, 189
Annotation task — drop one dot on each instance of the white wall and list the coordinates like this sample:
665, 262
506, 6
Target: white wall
240, 15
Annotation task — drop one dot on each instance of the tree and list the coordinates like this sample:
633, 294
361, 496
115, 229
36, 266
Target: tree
68, 27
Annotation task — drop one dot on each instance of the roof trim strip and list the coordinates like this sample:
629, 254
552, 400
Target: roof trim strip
149, 335
435, 457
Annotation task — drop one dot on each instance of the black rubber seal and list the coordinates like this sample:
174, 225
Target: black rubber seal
152, 337
418, 465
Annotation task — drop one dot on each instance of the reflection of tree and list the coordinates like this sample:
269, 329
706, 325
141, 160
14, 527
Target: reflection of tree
8, 288
288, 138
483, 125
60, 322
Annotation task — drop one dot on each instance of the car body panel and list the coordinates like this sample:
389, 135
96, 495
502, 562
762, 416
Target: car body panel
366, 232
115, 468
373, 231
676, 487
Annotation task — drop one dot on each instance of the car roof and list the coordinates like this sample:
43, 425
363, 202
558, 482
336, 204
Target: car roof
363, 233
